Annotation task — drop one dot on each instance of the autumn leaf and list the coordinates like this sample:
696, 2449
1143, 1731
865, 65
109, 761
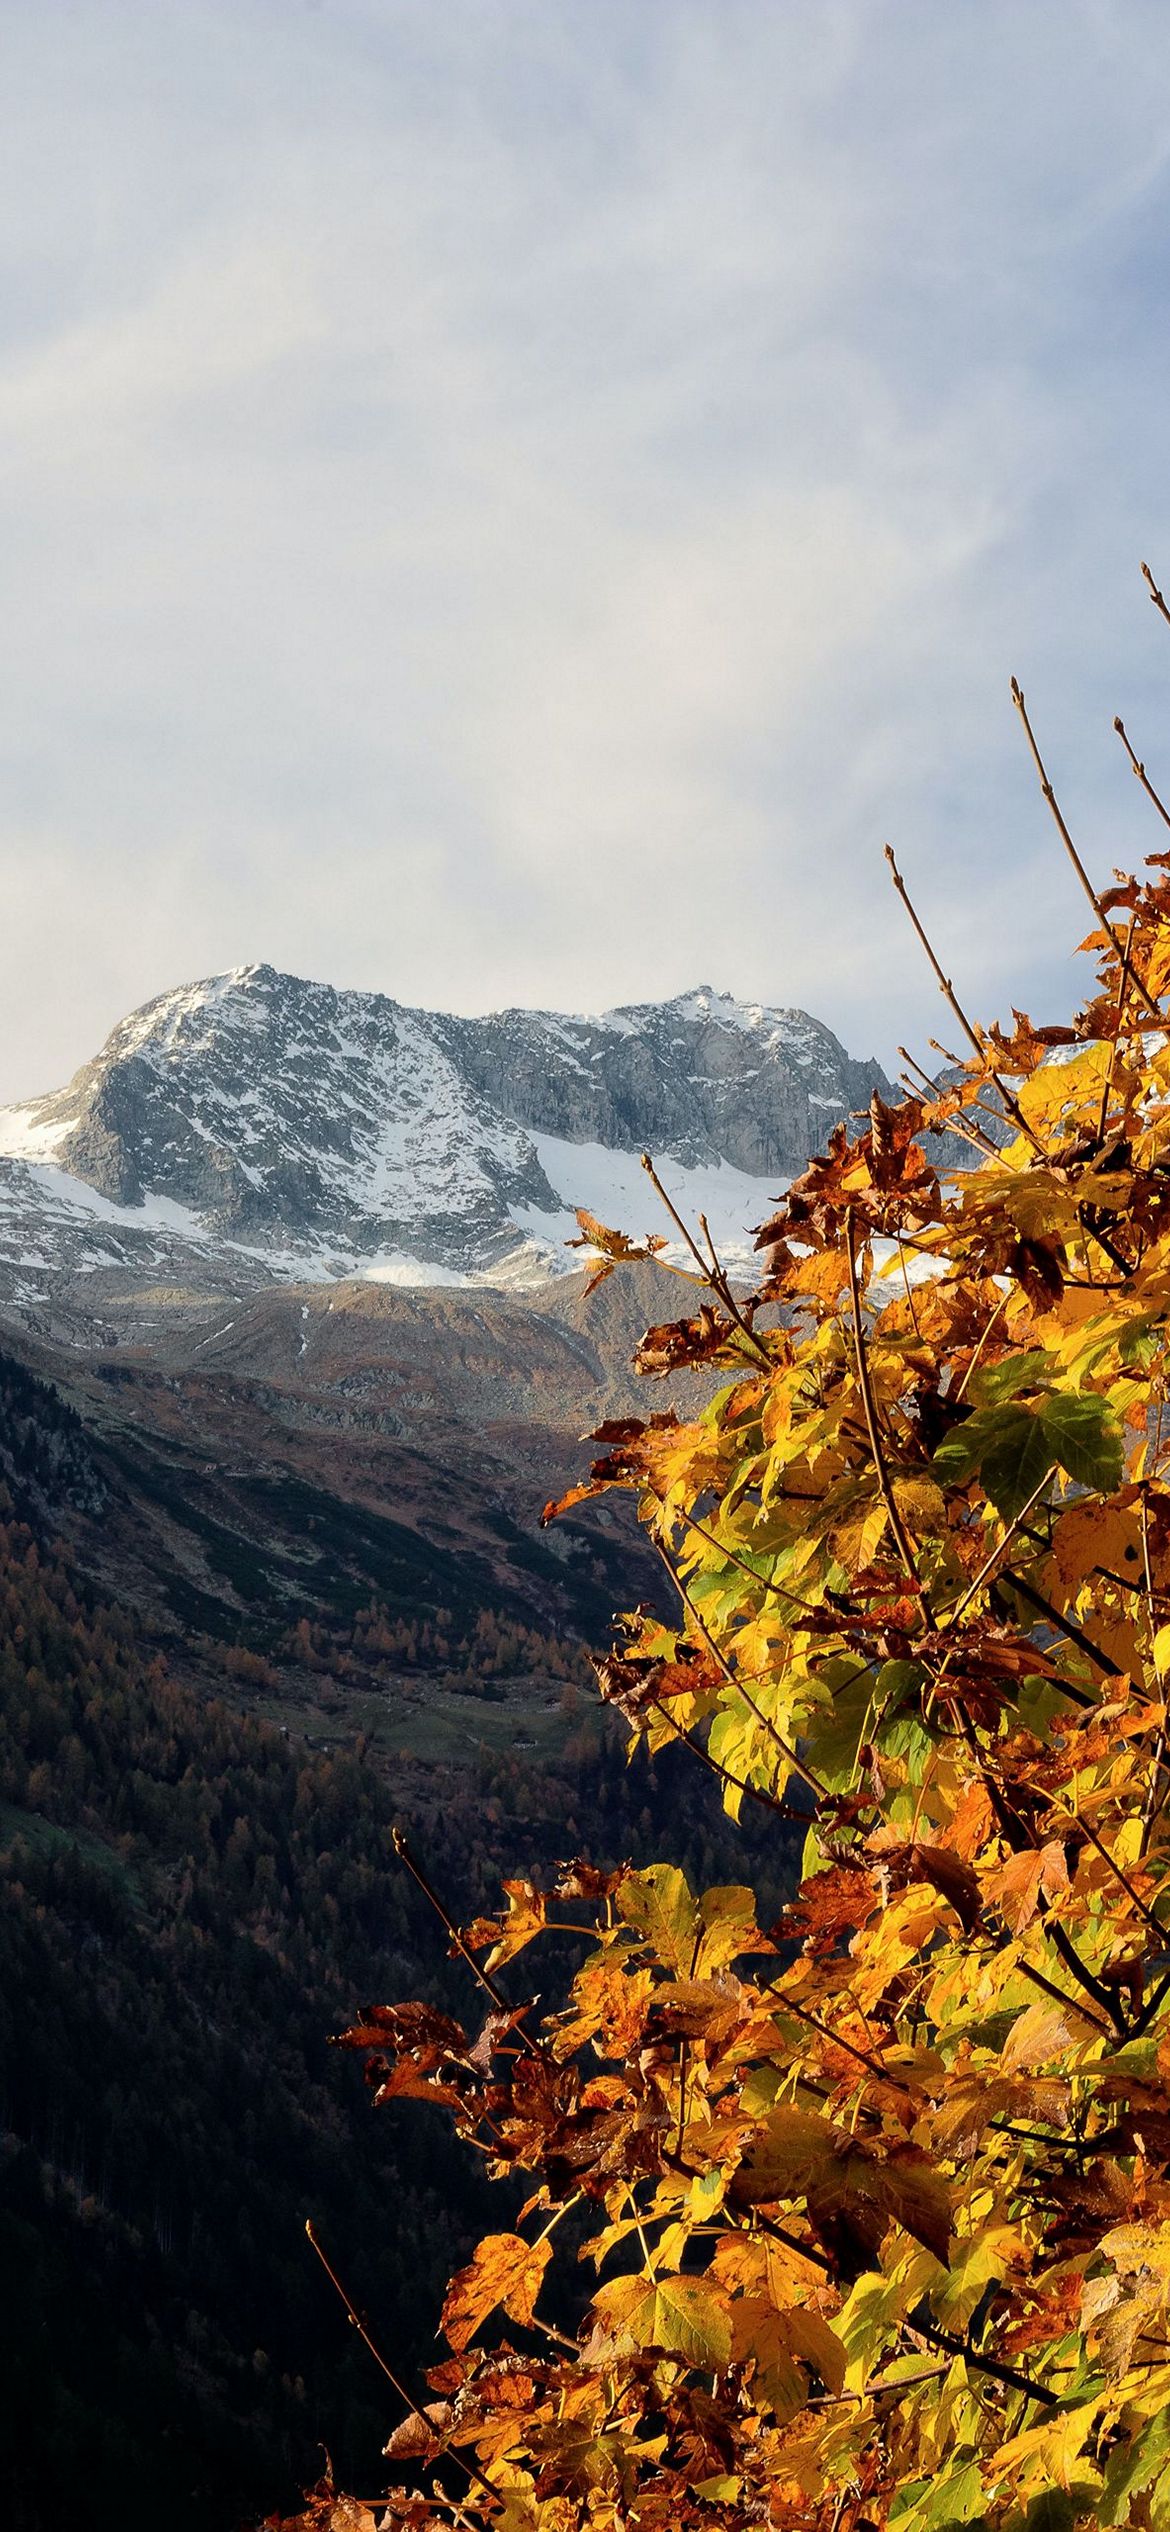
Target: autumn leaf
659, 1906
504, 2270
1017, 1885
685, 2315
524, 1919
611, 1248
900, 2200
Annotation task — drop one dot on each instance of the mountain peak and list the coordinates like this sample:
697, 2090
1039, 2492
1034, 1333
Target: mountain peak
255, 1125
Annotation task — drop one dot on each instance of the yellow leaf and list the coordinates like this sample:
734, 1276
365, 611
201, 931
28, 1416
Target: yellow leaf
659, 1906
728, 1928
922, 1505
686, 2315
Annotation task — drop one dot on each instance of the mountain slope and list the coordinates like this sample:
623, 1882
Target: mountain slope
257, 1126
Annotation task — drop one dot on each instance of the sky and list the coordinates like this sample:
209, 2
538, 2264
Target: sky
518, 501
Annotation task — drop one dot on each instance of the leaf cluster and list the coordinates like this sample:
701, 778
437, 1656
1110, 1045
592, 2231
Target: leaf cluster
879, 2193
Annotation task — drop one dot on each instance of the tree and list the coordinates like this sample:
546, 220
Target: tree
879, 2196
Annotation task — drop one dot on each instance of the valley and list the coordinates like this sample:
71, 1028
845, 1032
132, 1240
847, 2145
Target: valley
292, 1355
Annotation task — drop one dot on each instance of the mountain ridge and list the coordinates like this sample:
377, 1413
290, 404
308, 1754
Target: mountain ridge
256, 1126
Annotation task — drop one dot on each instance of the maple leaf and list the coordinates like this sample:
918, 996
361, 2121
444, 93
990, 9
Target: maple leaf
504, 2270
683, 1344
611, 1248
524, 1918
685, 2315
1017, 1885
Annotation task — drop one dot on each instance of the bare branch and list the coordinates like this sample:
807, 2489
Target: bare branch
1074, 856
1140, 771
947, 991
1156, 597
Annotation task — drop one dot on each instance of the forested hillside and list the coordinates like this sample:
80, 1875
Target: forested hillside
192, 1900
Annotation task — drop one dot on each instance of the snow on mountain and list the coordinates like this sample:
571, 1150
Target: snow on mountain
259, 1126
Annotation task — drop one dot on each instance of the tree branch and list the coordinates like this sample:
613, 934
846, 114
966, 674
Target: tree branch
885, 1484
1139, 769
1075, 859
364, 2334
971, 1034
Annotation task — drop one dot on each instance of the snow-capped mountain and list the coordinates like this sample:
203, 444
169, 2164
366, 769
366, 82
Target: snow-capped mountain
258, 1127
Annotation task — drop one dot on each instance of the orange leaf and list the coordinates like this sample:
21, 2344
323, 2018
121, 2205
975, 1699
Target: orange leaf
505, 2270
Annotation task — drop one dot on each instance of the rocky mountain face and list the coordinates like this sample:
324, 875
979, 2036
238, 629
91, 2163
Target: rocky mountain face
258, 1128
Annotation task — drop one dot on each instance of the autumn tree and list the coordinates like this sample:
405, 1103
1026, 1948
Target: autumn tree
877, 2196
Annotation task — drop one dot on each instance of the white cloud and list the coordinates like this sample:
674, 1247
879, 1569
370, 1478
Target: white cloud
520, 503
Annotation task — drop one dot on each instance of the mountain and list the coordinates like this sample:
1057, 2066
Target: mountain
313, 1451
258, 1128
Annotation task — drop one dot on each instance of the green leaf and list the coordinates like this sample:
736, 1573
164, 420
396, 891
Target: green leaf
1133, 2465
1007, 1446
955, 2496
1085, 1437
1015, 1464
993, 1387
1142, 1342
1052, 2511
960, 1452
835, 1733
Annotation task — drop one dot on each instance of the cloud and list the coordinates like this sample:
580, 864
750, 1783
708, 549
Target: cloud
520, 504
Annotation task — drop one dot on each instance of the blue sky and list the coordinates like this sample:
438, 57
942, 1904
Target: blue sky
517, 500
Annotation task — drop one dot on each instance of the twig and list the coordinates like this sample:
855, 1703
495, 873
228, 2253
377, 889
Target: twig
1140, 771
486, 1981
885, 1486
733, 1679
364, 2334
1069, 1954
970, 1133
1075, 859
816, 2258
1151, 1795
726, 1775
1155, 593
713, 1276
947, 991
1060, 1996
907, 1286
779, 1591
962, 1064
1151, 2007
1005, 2374
1114, 1867
1065, 1626
952, 1619
973, 1365
872, 2065
1122, 990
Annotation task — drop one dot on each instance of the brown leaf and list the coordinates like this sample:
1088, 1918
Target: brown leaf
827, 1906
613, 1248
679, 1344
419, 2439
901, 1863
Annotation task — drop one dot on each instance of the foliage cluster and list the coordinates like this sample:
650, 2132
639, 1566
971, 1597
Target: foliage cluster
879, 2193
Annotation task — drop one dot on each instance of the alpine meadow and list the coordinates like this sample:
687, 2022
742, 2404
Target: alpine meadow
860, 2217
